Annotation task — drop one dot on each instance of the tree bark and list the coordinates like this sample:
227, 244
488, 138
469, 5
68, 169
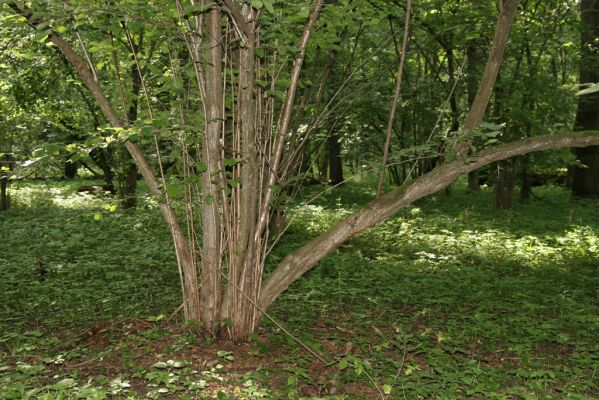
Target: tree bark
244, 275
335, 161
525, 187
4, 195
503, 189
210, 289
6, 165
70, 169
585, 181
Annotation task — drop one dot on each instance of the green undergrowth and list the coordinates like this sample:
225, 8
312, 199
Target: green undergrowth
450, 299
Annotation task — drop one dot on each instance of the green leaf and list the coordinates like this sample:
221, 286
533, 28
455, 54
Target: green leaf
268, 6
387, 389
230, 162
221, 395
65, 384
257, 4
156, 318
52, 149
343, 364
146, 130
196, 9
201, 167
233, 182
304, 12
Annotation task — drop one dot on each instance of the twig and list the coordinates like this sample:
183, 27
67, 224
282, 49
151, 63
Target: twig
174, 313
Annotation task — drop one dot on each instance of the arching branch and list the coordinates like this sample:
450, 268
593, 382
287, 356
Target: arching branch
301, 261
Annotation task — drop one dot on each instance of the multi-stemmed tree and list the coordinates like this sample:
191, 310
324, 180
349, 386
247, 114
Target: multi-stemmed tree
239, 71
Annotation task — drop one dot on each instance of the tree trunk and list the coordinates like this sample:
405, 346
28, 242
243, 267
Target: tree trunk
473, 181
127, 176
323, 171
245, 252
503, 175
211, 281
102, 158
6, 165
335, 162
4, 195
585, 181
70, 169
127, 182
503, 189
528, 105
525, 188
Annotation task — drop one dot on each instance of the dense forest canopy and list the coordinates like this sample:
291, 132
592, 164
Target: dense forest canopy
228, 107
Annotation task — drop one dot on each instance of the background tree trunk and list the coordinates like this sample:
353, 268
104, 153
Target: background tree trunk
585, 181
335, 161
6, 165
503, 171
525, 187
503, 189
70, 169
4, 195
127, 176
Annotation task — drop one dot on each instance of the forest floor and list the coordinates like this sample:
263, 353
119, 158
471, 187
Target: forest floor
450, 299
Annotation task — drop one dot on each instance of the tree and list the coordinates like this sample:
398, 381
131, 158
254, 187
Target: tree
585, 180
6, 166
246, 91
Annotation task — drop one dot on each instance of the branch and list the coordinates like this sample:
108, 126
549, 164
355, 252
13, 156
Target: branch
294, 265
285, 117
391, 121
240, 22
476, 114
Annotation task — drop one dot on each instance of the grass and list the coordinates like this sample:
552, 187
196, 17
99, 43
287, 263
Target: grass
450, 299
